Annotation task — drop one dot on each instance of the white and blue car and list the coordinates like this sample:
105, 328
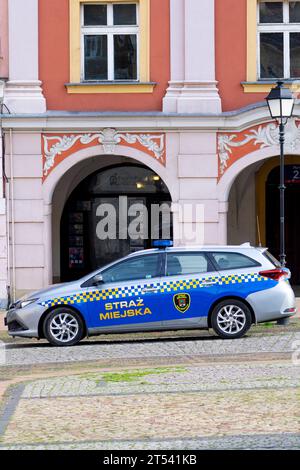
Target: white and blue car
227, 288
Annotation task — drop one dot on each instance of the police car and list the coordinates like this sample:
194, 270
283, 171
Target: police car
226, 288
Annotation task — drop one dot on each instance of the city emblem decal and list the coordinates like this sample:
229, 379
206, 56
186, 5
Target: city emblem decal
182, 302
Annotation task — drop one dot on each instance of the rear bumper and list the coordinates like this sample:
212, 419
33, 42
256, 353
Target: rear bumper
273, 304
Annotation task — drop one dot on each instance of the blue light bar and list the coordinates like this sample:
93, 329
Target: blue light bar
162, 244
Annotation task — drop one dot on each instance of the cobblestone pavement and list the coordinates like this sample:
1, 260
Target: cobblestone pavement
191, 407
286, 441
41, 353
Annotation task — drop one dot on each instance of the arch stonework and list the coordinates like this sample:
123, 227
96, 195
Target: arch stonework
168, 175
226, 181
121, 151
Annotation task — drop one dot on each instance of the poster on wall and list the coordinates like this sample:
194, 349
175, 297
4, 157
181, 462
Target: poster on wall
76, 258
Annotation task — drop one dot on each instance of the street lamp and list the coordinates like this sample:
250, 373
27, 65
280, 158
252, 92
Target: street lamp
281, 104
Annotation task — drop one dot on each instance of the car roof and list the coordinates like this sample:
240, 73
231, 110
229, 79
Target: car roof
244, 248
222, 248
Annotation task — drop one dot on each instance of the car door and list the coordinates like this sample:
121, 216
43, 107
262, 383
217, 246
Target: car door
189, 289
239, 273
129, 297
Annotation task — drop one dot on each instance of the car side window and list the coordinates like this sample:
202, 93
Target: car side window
179, 264
141, 267
233, 261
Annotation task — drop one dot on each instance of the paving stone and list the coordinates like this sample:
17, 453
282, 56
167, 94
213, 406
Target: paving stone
39, 354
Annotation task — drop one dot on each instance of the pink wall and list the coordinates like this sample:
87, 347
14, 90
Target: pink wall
3, 39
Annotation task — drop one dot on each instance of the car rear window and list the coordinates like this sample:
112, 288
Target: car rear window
272, 259
233, 261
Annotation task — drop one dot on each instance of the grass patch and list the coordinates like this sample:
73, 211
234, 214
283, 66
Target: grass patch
132, 376
268, 325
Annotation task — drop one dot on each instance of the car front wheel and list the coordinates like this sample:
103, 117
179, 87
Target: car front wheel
231, 319
63, 327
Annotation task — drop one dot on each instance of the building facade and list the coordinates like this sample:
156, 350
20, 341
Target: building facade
144, 101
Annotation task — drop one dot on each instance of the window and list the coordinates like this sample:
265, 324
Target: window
141, 267
110, 42
278, 39
272, 259
233, 261
179, 264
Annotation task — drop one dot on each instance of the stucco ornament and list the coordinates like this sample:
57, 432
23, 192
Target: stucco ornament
264, 136
109, 138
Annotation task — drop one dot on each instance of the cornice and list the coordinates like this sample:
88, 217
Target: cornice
237, 120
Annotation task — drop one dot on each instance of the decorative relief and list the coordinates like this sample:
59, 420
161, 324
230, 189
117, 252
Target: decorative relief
261, 137
55, 146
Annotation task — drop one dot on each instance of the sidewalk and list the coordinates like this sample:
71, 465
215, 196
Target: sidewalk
152, 408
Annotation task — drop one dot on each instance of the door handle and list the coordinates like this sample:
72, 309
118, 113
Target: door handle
148, 290
209, 283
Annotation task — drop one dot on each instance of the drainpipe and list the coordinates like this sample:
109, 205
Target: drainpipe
5, 190
12, 198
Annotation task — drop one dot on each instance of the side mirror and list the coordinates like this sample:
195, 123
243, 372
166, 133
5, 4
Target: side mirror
98, 279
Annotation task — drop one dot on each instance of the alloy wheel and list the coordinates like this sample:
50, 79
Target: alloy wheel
231, 319
64, 327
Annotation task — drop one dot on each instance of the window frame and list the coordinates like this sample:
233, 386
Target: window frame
253, 84
76, 86
89, 282
256, 264
210, 264
286, 28
109, 30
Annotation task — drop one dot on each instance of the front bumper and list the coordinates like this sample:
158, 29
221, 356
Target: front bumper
24, 322
273, 304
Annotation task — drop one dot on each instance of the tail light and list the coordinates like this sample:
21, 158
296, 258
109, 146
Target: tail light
276, 274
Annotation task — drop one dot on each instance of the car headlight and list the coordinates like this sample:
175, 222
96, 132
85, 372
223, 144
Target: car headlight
23, 303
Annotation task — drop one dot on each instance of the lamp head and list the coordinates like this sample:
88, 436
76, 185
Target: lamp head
281, 102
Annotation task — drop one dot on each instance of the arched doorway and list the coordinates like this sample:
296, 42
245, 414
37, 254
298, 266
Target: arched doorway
292, 219
253, 209
122, 189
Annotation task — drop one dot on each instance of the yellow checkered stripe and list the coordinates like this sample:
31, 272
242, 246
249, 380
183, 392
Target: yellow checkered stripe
167, 286
181, 285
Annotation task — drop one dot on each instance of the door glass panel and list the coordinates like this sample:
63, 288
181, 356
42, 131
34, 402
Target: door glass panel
271, 12
295, 54
95, 15
271, 55
105, 251
125, 47
142, 267
95, 57
125, 180
125, 14
294, 12
233, 261
179, 264
130, 192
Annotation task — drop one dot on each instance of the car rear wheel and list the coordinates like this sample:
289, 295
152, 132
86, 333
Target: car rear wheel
231, 319
63, 327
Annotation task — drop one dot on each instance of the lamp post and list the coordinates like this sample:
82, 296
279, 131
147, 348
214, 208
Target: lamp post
281, 104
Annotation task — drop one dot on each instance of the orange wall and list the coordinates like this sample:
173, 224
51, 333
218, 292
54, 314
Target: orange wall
231, 54
54, 62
